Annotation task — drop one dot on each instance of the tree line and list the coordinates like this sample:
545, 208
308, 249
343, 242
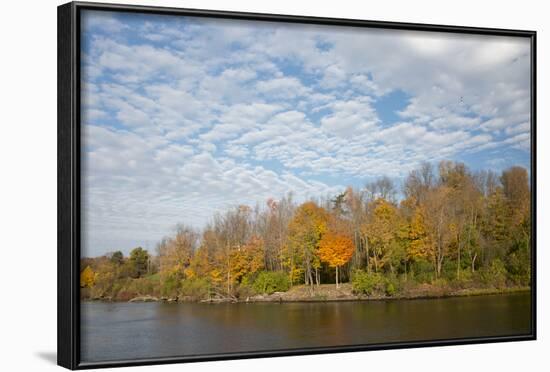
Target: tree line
448, 225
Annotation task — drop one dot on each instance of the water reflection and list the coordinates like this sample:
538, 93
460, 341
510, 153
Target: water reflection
116, 331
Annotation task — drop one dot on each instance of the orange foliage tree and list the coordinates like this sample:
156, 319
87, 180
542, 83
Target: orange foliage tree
248, 259
336, 250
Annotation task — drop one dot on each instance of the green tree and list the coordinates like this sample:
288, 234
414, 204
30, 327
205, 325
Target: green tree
139, 262
117, 258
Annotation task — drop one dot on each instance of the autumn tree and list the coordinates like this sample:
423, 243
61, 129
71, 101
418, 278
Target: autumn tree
273, 228
420, 244
464, 205
248, 259
305, 231
446, 220
419, 182
87, 278
199, 266
381, 228
336, 250
356, 211
382, 188
515, 186
175, 254
105, 277
495, 227
437, 221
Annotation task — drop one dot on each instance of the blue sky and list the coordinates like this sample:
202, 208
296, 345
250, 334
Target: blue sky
185, 117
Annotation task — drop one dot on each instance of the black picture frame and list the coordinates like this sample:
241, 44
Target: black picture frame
69, 145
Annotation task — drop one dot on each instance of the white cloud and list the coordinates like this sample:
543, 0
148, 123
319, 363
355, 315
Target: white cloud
102, 22
519, 128
521, 141
282, 88
350, 118
187, 117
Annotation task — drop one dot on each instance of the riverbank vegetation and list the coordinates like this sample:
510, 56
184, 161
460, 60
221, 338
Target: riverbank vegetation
447, 228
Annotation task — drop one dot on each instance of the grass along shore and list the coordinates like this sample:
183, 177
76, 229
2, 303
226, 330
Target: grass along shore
329, 293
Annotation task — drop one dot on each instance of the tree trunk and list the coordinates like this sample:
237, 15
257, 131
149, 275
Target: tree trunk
473, 226
291, 270
458, 259
281, 263
228, 274
307, 271
439, 244
336, 276
318, 277
368, 258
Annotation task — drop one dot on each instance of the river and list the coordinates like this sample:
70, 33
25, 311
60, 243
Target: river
120, 331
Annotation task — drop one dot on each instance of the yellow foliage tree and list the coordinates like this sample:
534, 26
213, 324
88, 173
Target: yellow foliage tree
87, 278
419, 246
305, 231
248, 259
382, 229
199, 266
175, 254
336, 250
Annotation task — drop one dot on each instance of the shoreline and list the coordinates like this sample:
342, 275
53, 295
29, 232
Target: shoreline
286, 297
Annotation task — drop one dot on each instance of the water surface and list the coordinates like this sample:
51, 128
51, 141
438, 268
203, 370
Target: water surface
118, 331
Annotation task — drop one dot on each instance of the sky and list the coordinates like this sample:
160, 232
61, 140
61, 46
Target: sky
184, 117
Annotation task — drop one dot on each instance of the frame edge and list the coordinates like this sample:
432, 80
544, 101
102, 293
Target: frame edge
66, 269
294, 18
68, 343
534, 185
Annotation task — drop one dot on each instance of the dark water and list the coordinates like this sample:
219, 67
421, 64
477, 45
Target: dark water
117, 331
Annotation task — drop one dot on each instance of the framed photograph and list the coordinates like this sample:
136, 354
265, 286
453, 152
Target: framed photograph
236, 185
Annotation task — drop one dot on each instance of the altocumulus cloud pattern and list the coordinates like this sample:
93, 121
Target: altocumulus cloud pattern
183, 117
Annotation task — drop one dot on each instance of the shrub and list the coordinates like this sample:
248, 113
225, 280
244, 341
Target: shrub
244, 290
117, 287
390, 289
466, 279
440, 282
148, 285
448, 270
368, 283
518, 263
422, 271
495, 274
196, 288
170, 286
271, 281
393, 285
